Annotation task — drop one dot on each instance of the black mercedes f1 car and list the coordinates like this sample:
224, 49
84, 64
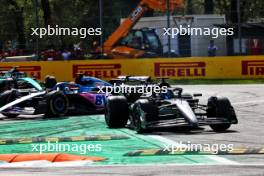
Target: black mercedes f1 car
173, 108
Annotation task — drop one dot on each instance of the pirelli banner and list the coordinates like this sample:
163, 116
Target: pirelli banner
246, 67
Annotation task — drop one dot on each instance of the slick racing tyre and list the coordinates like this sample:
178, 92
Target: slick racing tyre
7, 97
222, 108
144, 112
57, 104
4, 85
116, 112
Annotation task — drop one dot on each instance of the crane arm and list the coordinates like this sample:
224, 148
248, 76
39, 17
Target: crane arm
141, 9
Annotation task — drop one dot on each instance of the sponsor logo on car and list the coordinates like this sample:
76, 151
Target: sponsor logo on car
98, 70
253, 67
180, 69
32, 71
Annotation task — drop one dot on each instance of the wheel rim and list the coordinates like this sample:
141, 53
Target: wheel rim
59, 104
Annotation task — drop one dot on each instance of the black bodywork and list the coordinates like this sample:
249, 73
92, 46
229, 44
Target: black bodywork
172, 109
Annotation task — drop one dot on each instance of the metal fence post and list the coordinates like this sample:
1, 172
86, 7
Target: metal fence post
102, 27
37, 26
239, 26
168, 26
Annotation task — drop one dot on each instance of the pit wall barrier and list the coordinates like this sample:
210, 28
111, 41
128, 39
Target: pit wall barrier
240, 67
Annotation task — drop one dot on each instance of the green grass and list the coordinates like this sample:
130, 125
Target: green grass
218, 81
113, 150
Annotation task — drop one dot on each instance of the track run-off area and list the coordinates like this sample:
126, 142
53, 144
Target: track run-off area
21, 134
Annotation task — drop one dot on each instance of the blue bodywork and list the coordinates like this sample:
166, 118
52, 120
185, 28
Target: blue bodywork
88, 84
82, 98
85, 96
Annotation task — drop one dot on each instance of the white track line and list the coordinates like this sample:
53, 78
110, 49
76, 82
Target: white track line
167, 141
219, 159
44, 164
248, 102
174, 164
222, 160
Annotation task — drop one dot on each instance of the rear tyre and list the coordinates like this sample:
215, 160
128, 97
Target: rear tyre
4, 86
144, 111
222, 108
116, 112
7, 97
57, 104
220, 127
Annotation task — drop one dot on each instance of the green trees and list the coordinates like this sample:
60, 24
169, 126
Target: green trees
15, 27
18, 16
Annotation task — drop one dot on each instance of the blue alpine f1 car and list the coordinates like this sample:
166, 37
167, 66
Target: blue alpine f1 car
21, 95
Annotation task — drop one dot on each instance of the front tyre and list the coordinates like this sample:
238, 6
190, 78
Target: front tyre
57, 104
144, 112
220, 107
116, 112
220, 127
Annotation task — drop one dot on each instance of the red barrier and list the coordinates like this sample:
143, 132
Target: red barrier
52, 157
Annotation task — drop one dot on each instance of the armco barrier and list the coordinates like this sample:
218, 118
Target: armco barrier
243, 67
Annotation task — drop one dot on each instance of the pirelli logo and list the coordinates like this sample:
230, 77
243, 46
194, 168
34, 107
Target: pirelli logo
32, 71
98, 70
180, 69
253, 68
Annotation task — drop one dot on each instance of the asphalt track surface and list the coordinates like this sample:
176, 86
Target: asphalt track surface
248, 101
